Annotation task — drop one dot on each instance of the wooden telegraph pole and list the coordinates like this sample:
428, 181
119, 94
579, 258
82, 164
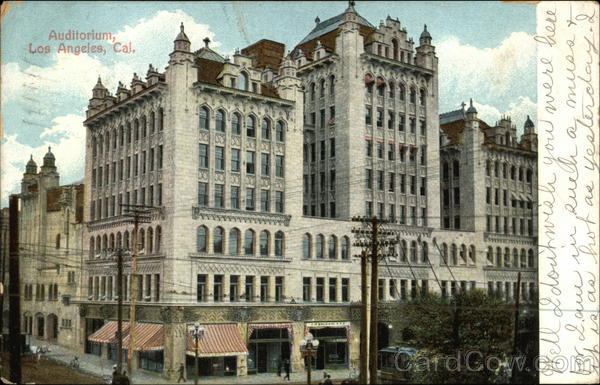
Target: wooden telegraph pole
14, 302
368, 346
140, 215
120, 311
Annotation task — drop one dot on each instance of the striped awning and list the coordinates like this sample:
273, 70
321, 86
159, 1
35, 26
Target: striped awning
219, 340
278, 325
147, 336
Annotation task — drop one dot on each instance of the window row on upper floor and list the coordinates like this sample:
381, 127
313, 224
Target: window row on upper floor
220, 121
524, 259
149, 242
132, 131
216, 241
390, 89
391, 121
507, 170
323, 84
317, 249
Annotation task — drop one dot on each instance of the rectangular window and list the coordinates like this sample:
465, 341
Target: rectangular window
249, 288
250, 162
368, 146
235, 160
265, 165
202, 194
390, 122
219, 195
423, 187
203, 155
392, 181
323, 183
401, 122
279, 201
143, 162
264, 200
423, 158
332, 148
379, 117
279, 289
332, 209
306, 289
380, 150
402, 183
413, 183
380, 210
423, 127
369, 209
235, 197
332, 180
320, 289
264, 289
369, 179
279, 166
233, 288
380, 180
322, 150
219, 158
456, 196
368, 115
313, 153
332, 289
151, 160
345, 289
250, 199
391, 151
135, 164
201, 294
413, 125
322, 118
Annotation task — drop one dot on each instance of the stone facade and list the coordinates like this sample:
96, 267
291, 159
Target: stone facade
254, 174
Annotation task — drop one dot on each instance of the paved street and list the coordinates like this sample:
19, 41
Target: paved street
102, 367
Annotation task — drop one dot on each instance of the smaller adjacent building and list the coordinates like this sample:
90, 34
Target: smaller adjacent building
50, 239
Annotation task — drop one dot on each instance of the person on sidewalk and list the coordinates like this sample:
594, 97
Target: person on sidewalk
327, 380
181, 372
286, 367
279, 367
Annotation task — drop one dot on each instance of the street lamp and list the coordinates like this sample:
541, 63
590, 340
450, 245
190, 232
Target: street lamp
197, 332
308, 348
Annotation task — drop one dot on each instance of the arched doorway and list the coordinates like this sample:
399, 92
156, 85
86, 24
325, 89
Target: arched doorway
51, 327
39, 321
383, 335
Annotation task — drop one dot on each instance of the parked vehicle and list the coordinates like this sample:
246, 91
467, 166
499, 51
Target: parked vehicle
393, 364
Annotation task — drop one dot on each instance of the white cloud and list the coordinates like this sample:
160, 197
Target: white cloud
496, 75
66, 136
517, 111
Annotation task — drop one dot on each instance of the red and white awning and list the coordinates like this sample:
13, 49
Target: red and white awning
219, 340
148, 336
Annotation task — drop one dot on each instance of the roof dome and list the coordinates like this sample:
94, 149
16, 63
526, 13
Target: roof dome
49, 158
99, 85
182, 36
471, 109
528, 122
31, 167
425, 33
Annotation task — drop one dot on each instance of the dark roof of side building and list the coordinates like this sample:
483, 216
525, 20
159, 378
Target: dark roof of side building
332, 24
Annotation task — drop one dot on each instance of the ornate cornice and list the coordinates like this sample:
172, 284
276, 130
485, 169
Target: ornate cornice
513, 239
224, 215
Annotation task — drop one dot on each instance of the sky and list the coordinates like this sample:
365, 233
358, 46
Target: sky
486, 52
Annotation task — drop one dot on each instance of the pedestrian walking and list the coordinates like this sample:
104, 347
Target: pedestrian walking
181, 372
279, 367
286, 367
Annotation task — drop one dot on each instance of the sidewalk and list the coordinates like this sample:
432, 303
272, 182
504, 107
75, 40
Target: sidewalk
102, 367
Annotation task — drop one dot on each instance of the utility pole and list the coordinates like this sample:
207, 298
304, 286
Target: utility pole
140, 215
517, 304
375, 233
374, 300
119, 311
364, 326
14, 322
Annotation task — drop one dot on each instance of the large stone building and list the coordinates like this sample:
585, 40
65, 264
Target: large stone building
254, 168
50, 250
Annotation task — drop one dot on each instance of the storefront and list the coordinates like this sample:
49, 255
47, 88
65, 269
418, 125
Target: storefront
333, 351
218, 350
92, 328
269, 346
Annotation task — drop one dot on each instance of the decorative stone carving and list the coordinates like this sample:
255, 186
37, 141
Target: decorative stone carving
250, 180
241, 314
298, 314
236, 141
235, 179
204, 136
106, 311
219, 138
219, 177
250, 144
265, 182
166, 314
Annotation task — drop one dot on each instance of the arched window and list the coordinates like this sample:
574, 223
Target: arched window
204, 118
119, 240
92, 247
322, 87
158, 238
141, 240
380, 86
264, 243
161, 119
280, 131
121, 135
235, 124
331, 85
57, 241
422, 97
320, 245
403, 251
490, 255
529, 176
391, 89
402, 92
332, 247
507, 138
424, 252
249, 242
152, 121
530, 261
234, 241
307, 246
512, 172
453, 256
498, 257
515, 259
413, 251
312, 91
220, 121
150, 241
250, 127
144, 128
136, 131
243, 81
506, 256
112, 242
201, 238
265, 132
104, 242
444, 255
523, 258
413, 95
345, 248
279, 244
463, 254
395, 49
126, 240
472, 255
218, 240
